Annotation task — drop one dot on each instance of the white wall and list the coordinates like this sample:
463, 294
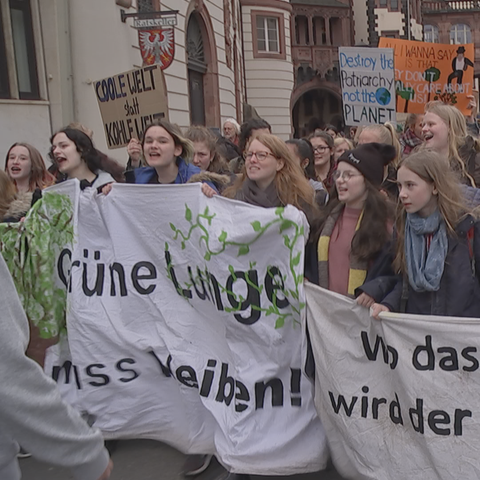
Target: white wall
269, 82
360, 19
389, 21
22, 121
101, 46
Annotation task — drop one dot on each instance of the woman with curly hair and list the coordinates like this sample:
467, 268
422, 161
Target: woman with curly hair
76, 157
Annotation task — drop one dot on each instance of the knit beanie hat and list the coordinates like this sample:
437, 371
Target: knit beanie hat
370, 160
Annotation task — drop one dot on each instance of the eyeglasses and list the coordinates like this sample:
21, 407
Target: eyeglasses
261, 156
345, 175
320, 149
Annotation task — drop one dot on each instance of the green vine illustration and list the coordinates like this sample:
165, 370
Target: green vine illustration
243, 249
27, 250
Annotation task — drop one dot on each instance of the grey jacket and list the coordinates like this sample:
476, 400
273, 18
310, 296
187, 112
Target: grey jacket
32, 412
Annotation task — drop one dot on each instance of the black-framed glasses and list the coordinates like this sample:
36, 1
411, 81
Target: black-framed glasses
345, 175
320, 149
261, 156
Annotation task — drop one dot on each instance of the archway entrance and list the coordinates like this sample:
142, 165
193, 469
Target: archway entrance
197, 68
314, 109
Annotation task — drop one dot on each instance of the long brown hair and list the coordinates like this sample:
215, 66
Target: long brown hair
7, 193
433, 168
375, 227
197, 133
290, 182
39, 175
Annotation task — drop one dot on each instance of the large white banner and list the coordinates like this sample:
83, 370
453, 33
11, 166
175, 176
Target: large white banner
399, 398
185, 324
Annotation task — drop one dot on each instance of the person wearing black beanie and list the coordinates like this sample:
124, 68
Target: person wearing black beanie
357, 224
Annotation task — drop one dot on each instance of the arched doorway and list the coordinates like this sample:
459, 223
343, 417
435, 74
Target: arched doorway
314, 109
197, 68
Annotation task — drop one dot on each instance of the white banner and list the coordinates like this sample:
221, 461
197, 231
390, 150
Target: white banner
185, 325
398, 398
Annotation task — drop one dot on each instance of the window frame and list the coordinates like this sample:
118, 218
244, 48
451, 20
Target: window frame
467, 30
4, 94
280, 19
434, 31
26, 8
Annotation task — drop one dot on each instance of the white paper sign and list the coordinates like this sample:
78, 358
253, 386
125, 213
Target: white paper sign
368, 85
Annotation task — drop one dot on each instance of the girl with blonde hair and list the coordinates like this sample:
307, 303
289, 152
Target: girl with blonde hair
445, 131
437, 244
341, 145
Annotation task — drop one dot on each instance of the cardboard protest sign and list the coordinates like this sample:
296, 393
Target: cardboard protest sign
431, 71
185, 320
129, 101
398, 398
368, 85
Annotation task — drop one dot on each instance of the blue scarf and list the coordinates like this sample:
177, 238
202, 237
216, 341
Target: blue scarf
425, 268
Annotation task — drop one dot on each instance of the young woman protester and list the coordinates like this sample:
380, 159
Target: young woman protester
302, 151
76, 157
437, 249
208, 159
445, 131
386, 134
323, 153
271, 178
340, 146
26, 168
357, 223
166, 151
412, 135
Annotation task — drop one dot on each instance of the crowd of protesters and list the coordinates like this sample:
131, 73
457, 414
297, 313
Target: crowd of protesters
393, 216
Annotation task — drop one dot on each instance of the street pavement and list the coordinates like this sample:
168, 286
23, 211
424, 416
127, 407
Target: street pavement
149, 460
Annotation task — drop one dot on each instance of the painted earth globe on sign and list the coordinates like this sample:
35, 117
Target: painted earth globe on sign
383, 96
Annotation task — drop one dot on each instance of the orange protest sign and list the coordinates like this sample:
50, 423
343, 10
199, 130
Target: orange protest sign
431, 71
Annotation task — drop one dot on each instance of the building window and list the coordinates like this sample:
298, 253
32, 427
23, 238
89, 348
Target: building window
268, 34
430, 33
4, 84
394, 5
145, 6
460, 34
18, 77
383, 3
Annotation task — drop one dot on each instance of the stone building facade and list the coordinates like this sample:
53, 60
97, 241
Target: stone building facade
228, 54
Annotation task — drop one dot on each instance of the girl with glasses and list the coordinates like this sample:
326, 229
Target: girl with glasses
356, 224
271, 177
323, 148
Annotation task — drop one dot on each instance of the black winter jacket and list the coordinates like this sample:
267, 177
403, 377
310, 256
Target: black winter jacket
459, 293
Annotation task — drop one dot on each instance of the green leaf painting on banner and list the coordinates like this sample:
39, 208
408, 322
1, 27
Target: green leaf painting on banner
291, 233
27, 249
